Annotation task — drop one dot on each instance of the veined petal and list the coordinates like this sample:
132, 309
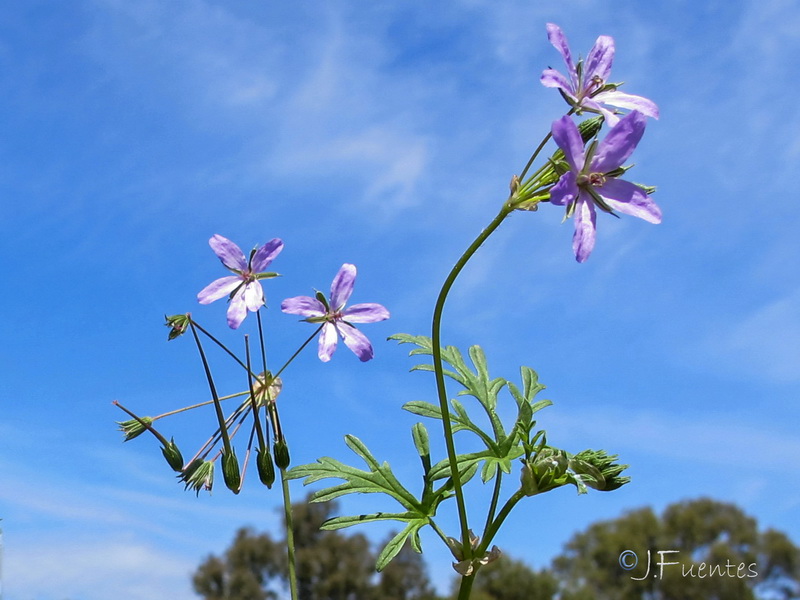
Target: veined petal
305, 306
265, 255
229, 253
552, 78
629, 199
620, 143
218, 288
598, 63
368, 312
559, 41
356, 341
568, 138
585, 229
237, 310
565, 190
327, 342
253, 296
628, 101
342, 286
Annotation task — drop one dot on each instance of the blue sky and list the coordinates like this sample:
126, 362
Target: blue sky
382, 135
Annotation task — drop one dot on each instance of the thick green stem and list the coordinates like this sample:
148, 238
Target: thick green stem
287, 511
465, 589
438, 368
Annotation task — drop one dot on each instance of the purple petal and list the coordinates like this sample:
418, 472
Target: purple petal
559, 41
366, 313
553, 79
218, 288
342, 286
629, 199
327, 342
628, 101
585, 229
253, 296
565, 190
265, 255
620, 143
356, 341
237, 310
598, 63
568, 138
304, 306
229, 253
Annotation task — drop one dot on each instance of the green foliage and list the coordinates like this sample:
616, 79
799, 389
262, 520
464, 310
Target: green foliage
543, 467
378, 479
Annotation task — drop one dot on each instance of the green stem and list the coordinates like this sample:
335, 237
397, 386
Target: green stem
217, 406
493, 507
465, 588
534, 155
438, 367
261, 341
193, 406
262, 443
299, 350
194, 324
287, 511
492, 530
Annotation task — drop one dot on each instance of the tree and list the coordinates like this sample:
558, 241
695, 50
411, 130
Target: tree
510, 579
330, 566
711, 551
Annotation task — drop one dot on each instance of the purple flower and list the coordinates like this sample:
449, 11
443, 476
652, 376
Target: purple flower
338, 321
593, 178
244, 288
587, 86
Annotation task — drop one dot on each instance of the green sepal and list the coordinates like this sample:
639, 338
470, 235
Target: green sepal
605, 464
268, 275
281, 451
178, 325
323, 300
266, 468
198, 475
133, 428
230, 471
173, 455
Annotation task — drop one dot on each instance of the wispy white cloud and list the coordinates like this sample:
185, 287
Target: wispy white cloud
764, 344
51, 568
312, 104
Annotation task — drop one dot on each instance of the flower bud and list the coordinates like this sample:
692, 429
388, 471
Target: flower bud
281, 451
266, 469
590, 127
173, 456
178, 324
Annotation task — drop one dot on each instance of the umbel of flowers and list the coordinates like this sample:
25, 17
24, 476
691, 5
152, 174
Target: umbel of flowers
585, 175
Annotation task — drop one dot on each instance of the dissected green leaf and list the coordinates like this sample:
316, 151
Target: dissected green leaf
396, 543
